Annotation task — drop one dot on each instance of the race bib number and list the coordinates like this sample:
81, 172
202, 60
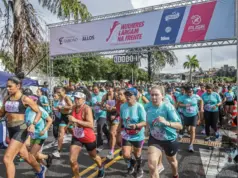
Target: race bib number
97, 109
190, 109
124, 135
111, 103
158, 134
12, 106
229, 98
78, 132
208, 107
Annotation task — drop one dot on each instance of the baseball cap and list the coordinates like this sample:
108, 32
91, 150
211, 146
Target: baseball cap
33, 97
79, 95
131, 91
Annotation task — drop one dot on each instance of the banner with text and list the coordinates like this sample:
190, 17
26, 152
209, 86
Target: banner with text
200, 22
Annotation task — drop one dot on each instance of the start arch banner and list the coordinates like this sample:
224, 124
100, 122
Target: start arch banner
207, 21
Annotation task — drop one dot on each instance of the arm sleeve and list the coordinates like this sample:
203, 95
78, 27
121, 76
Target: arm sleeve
142, 114
45, 100
44, 114
172, 114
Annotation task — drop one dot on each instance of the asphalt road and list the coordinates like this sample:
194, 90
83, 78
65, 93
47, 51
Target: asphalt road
206, 161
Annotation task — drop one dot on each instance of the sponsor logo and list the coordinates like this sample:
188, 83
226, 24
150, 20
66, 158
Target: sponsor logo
70, 39
173, 16
197, 26
88, 38
125, 33
168, 29
196, 19
164, 38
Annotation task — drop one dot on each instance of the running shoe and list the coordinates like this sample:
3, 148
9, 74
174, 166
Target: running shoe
110, 155
160, 169
19, 159
190, 148
41, 174
139, 172
177, 176
131, 166
49, 160
56, 154
101, 172
207, 138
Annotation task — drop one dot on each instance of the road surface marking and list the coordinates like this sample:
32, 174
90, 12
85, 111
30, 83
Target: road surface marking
213, 161
95, 165
106, 166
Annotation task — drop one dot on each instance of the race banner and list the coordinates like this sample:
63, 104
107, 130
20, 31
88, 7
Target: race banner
212, 20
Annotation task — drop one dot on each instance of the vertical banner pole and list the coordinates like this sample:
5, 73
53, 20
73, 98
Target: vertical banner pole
132, 77
236, 24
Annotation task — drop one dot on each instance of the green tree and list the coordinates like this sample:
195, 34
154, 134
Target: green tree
192, 64
94, 68
22, 32
158, 60
67, 9
7, 61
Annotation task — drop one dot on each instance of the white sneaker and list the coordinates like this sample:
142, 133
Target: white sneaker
56, 154
110, 156
160, 169
190, 148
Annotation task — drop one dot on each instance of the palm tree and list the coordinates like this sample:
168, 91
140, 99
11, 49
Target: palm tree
158, 60
192, 64
23, 34
67, 8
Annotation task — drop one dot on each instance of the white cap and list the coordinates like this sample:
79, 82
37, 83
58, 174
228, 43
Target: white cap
79, 95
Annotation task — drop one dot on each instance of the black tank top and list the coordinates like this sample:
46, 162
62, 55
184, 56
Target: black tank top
15, 106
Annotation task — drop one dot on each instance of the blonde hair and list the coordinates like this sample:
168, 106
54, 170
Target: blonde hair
160, 88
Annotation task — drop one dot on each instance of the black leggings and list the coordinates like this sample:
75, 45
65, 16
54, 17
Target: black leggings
102, 128
56, 124
211, 119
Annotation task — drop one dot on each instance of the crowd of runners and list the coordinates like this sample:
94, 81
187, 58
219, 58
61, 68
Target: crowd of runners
123, 115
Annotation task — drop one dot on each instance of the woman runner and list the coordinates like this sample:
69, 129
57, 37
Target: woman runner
229, 97
189, 103
64, 107
83, 135
13, 109
163, 121
109, 104
133, 118
212, 101
41, 132
120, 100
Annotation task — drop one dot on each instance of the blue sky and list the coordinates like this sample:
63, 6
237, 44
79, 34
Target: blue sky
220, 55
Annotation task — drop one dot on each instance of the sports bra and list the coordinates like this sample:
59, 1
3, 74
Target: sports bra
62, 102
15, 106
